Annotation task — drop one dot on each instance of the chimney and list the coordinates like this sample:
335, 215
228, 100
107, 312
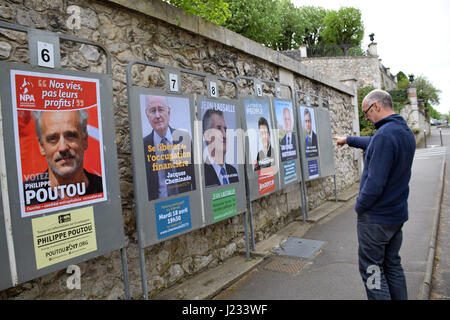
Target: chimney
373, 49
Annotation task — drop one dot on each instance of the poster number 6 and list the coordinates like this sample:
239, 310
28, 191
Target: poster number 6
173, 82
46, 55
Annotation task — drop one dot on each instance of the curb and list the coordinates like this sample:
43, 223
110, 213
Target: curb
426, 286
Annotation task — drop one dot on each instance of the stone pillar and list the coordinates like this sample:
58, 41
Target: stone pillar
414, 119
303, 52
373, 49
412, 94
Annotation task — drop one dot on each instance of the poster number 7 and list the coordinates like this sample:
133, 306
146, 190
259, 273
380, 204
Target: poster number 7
173, 82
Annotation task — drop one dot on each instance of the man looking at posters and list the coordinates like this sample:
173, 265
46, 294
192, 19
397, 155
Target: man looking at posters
311, 137
169, 162
288, 143
63, 138
264, 158
382, 203
217, 172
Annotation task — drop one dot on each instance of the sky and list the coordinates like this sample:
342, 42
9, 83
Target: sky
412, 36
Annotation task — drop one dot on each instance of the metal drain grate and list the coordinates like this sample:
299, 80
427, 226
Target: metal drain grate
301, 248
285, 264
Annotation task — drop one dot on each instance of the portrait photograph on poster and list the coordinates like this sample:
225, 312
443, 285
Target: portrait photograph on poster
167, 141
287, 136
286, 129
309, 129
219, 143
262, 154
259, 131
58, 138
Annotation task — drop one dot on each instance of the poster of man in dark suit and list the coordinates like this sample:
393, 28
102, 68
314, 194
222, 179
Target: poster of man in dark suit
217, 171
311, 149
168, 151
288, 143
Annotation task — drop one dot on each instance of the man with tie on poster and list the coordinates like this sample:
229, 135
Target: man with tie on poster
288, 143
311, 137
217, 172
168, 153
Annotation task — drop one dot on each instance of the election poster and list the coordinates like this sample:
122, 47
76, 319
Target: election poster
262, 154
168, 148
287, 133
58, 138
172, 216
63, 236
287, 136
309, 129
224, 203
219, 143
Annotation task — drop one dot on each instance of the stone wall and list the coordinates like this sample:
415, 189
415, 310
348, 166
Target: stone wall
152, 30
368, 70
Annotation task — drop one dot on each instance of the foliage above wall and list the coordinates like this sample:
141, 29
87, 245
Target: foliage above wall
280, 25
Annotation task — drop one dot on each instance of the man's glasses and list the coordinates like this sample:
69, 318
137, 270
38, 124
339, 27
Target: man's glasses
365, 112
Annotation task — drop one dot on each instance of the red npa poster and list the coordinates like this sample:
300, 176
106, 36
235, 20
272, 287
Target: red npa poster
58, 138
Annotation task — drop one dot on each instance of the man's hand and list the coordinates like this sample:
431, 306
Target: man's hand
340, 141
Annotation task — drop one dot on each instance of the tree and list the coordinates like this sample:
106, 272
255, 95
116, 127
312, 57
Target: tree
215, 11
364, 125
258, 20
402, 81
290, 24
426, 91
343, 27
311, 25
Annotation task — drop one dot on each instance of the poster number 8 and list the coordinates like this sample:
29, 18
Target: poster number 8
258, 90
213, 89
173, 82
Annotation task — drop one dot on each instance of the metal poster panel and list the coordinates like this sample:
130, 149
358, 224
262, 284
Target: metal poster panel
287, 141
222, 154
5, 271
61, 161
261, 148
326, 159
310, 146
167, 194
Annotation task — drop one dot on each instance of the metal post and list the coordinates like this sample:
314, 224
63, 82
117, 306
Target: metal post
440, 133
425, 137
247, 245
143, 273
126, 282
335, 189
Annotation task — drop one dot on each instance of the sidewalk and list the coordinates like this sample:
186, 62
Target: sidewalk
332, 272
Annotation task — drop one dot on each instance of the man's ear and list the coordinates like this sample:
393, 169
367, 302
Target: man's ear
41, 150
85, 142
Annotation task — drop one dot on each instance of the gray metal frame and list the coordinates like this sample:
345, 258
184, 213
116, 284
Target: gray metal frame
199, 198
325, 158
283, 185
107, 214
239, 186
250, 180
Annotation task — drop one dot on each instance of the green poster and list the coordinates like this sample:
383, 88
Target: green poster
224, 203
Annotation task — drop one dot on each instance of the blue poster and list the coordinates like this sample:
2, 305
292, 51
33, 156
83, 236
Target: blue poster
172, 216
290, 171
313, 169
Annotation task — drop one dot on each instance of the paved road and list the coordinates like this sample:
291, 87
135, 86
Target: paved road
440, 288
333, 272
